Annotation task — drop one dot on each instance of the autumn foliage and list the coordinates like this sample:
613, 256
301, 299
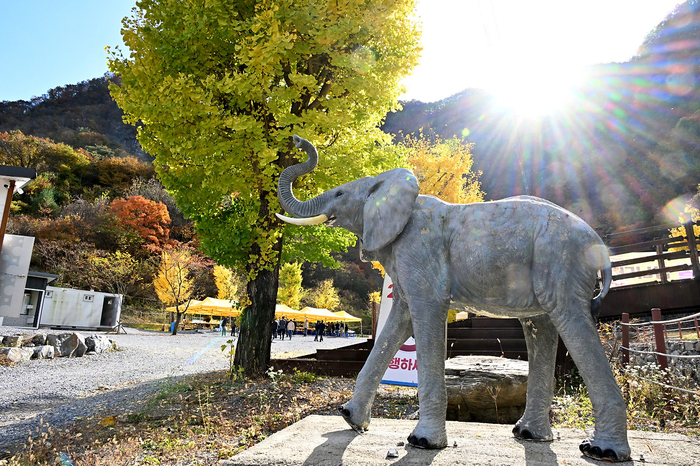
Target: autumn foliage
444, 168
150, 219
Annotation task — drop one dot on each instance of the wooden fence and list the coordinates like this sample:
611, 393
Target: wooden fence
654, 251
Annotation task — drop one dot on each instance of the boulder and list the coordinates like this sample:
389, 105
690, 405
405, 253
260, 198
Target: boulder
17, 354
39, 339
98, 343
68, 345
12, 341
486, 389
43, 352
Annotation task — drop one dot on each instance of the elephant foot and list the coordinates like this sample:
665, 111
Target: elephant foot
427, 438
528, 431
607, 453
352, 416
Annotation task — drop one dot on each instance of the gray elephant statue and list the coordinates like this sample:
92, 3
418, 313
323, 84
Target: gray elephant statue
520, 257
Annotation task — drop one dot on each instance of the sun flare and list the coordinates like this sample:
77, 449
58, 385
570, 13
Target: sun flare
534, 90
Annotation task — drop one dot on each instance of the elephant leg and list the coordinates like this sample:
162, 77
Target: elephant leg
429, 324
577, 329
541, 338
396, 331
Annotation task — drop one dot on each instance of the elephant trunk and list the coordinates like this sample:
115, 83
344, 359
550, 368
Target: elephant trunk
286, 197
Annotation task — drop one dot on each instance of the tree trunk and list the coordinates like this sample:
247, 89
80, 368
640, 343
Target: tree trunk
255, 339
177, 322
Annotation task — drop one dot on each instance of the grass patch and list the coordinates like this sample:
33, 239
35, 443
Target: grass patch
209, 417
198, 420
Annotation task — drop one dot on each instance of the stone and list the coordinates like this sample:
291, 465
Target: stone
43, 352
81, 348
12, 341
39, 339
68, 345
98, 343
486, 389
697, 346
16, 355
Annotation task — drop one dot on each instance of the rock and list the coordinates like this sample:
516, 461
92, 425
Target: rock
98, 343
43, 352
81, 348
68, 345
39, 339
12, 341
473, 382
17, 354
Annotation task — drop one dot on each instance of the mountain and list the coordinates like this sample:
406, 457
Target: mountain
81, 115
617, 156
627, 146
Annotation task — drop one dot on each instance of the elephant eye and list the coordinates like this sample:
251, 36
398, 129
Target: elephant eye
338, 194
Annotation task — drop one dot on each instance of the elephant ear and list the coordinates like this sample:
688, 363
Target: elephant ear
388, 207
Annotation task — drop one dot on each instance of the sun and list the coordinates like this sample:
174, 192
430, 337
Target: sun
533, 89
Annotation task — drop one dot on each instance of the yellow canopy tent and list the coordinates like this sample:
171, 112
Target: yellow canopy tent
312, 313
347, 317
192, 304
282, 310
216, 307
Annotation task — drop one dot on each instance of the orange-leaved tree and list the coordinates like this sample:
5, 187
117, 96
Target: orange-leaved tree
150, 219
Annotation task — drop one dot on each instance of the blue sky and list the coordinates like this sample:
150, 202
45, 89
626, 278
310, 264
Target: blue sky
50, 43
44, 44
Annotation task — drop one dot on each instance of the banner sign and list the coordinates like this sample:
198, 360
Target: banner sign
403, 368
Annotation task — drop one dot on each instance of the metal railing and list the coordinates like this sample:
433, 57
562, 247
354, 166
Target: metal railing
660, 337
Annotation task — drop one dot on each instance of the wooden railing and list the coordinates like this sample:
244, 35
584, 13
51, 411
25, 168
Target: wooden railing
654, 250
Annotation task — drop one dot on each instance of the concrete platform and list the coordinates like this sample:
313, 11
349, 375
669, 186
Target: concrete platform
328, 441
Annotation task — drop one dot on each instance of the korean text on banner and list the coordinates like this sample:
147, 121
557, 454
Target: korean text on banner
402, 369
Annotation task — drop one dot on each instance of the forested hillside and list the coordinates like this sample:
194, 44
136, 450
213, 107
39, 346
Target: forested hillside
625, 148
627, 145
81, 115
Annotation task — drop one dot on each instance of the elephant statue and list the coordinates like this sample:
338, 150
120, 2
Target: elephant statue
521, 257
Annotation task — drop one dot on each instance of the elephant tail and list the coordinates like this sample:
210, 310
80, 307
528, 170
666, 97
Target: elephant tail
596, 302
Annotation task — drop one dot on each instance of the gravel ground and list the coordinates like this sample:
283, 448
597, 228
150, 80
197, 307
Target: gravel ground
63, 390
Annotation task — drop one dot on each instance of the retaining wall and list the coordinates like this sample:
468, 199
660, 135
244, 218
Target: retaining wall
687, 367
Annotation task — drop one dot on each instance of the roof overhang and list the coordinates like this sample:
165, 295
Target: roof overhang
20, 175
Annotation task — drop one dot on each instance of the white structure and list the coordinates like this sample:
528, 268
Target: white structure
67, 307
18, 306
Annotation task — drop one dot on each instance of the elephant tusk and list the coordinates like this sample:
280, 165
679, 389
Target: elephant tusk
303, 221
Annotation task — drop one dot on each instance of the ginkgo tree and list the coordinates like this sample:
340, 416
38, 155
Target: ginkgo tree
218, 88
290, 291
228, 283
325, 295
174, 283
443, 168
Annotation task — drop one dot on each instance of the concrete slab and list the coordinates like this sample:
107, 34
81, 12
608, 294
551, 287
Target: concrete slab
327, 441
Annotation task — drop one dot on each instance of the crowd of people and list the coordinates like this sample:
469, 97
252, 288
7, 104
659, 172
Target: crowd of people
223, 325
284, 327
287, 327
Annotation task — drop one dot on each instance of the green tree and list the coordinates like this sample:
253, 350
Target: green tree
290, 291
219, 87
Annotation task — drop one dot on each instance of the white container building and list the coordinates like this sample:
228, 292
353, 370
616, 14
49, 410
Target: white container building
70, 308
